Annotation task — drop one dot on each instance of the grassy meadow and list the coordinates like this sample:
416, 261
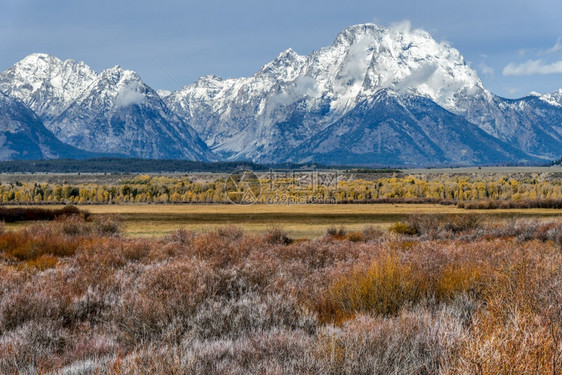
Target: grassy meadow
299, 221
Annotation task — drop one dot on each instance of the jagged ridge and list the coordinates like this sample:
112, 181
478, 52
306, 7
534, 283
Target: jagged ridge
294, 97
302, 108
111, 112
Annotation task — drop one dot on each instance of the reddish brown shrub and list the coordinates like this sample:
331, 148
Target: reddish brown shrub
35, 242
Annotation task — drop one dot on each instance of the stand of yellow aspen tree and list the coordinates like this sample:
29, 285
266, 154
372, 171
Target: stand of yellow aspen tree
160, 189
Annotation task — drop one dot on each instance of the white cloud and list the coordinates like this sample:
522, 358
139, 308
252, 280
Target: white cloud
419, 76
486, 70
541, 52
532, 67
302, 87
128, 95
556, 48
402, 27
357, 61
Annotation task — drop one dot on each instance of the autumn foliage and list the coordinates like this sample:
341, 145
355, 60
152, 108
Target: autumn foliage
477, 190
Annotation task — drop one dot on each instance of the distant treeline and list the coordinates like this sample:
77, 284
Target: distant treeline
122, 165
375, 170
442, 189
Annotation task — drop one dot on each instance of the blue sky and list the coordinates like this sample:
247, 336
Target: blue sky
515, 46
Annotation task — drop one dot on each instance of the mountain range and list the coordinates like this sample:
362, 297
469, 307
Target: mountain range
376, 96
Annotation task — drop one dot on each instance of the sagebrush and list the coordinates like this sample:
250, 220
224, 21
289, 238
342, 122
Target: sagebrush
452, 297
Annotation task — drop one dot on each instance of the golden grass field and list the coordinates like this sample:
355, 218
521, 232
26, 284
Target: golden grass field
299, 221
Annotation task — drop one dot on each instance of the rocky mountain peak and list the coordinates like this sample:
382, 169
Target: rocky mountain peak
353, 34
554, 98
46, 84
284, 67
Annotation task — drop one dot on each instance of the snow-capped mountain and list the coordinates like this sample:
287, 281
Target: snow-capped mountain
554, 98
23, 136
111, 112
295, 98
387, 96
231, 115
405, 129
46, 84
118, 113
531, 124
236, 116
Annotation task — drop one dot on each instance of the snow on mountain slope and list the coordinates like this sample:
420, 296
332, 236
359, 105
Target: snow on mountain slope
297, 102
531, 124
294, 97
236, 116
111, 112
118, 113
554, 98
46, 84
234, 110
367, 58
402, 129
